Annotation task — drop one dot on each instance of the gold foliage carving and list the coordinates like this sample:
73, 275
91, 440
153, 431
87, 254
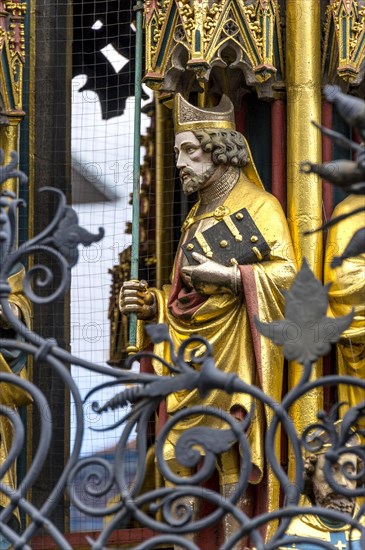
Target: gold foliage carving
12, 39
344, 45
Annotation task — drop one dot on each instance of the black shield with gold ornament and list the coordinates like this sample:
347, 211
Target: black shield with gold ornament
235, 239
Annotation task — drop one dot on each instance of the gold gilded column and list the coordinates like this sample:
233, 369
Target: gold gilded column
303, 65
303, 59
9, 141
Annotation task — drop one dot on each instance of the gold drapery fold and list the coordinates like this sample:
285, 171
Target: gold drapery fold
347, 291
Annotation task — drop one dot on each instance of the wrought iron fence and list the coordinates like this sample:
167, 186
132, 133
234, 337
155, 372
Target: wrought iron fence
306, 334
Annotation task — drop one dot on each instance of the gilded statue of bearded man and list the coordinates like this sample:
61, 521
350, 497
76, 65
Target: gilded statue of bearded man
233, 262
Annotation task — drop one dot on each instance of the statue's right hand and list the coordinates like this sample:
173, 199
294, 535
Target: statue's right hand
134, 297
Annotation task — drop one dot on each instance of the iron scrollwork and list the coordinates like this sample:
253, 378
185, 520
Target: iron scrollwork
306, 334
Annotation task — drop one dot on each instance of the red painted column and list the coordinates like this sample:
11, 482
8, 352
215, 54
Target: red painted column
278, 151
162, 417
327, 151
146, 363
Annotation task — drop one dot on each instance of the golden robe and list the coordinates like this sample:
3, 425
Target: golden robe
347, 292
12, 362
227, 322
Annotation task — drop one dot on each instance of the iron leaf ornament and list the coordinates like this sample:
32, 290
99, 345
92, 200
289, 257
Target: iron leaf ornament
306, 333
69, 234
215, 442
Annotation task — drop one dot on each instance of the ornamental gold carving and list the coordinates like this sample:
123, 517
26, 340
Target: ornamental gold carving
12, 40
344, 45
189, 43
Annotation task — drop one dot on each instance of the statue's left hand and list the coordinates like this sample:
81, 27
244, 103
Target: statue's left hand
210, 277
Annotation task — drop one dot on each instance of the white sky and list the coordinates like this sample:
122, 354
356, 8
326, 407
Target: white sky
105, 148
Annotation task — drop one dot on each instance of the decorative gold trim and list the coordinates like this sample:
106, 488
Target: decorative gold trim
257, 252
15, 66
344, 54
232, 228
192, 126
12, 6
163, 26
9, 141
4, 89
14, 44
204, 244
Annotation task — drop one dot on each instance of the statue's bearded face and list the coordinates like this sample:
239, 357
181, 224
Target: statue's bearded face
324, 495
196, 166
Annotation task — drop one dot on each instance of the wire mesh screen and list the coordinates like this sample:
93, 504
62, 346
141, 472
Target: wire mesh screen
102, 105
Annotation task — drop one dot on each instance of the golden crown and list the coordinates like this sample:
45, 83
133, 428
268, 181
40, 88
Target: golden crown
187, 117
